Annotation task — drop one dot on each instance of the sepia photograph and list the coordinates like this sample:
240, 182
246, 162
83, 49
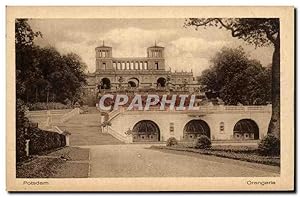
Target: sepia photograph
188, 97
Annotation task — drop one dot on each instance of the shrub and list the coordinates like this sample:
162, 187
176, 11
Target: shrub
41, 140
235, 149
172, 141
202, 142
269, 146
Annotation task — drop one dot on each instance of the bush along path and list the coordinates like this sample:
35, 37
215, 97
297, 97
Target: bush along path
231, 152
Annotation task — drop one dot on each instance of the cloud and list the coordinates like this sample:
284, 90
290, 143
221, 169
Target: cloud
132, 42
185, 49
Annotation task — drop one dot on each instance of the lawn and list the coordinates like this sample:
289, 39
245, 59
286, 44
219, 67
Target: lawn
68, 162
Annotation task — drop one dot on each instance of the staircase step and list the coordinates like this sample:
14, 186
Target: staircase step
85, 130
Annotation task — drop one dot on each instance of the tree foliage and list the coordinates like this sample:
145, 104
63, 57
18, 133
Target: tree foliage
260, 32
43, 74
237, 79
257, 31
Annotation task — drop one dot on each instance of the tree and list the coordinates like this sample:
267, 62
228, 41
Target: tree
43, 74
237, 79
259, 32
25, 56
24, 37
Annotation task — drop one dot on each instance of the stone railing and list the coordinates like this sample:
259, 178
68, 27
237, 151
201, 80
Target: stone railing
212, 109
118, 135
233, 108
113, 114
53, 111
65, 133
69, 115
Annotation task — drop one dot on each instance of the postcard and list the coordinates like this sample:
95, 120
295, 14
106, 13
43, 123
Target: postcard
150, 99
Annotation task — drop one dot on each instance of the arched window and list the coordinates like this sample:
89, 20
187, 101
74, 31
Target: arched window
105, 83
246, 129
194, 129
146, 130
161, 82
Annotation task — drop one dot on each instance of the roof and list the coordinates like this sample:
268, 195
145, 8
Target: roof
155, 46
103, 46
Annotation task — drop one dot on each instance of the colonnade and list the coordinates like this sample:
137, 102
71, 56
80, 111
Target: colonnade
130, 65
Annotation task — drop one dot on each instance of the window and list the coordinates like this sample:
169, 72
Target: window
104, 65
222, 127
156, 65
172, 128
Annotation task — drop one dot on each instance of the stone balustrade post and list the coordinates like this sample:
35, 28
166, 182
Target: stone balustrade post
27, 147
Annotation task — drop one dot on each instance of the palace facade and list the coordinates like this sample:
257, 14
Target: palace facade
148, 75
137, 74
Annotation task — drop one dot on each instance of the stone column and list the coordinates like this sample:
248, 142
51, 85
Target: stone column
141, 65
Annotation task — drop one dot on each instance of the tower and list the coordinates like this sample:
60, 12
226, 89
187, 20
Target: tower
103, 57
155, 56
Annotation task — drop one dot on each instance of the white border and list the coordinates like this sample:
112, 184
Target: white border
110, 2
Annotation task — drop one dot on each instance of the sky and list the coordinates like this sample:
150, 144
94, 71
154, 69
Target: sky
185, 48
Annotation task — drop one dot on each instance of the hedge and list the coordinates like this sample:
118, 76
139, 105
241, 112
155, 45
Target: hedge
21, 121
41, 140
243, 156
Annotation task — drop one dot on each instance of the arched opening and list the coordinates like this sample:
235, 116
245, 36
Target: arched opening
246, 129
161, 82
133, 83
194, 129
146, 131
105, 83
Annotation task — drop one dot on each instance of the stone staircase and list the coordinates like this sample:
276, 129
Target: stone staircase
85, 130
46, 118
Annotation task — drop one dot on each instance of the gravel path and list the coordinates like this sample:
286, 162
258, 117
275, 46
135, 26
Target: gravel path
140, 161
